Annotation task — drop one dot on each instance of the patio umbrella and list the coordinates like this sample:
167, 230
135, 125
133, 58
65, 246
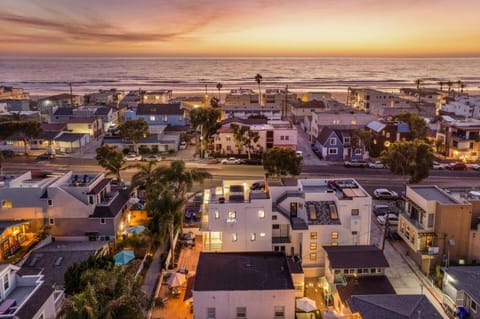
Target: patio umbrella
175, 280
123, 257
306, 304
136, 229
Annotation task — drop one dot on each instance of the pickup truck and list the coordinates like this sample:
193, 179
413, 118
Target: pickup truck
356, 163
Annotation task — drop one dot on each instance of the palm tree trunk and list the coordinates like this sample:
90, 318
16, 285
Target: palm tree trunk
171, 230
259, 95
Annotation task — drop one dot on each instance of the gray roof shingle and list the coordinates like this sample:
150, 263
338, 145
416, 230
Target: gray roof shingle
160, 109
365, 256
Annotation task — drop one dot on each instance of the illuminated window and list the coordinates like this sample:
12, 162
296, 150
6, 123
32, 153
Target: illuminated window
261, 213
279, 312
157, 97
355, 212
241, 312
165, 118
253, 236
333, 243
232, 215
313, 235
335, 235
234, 237
262, 234
313, 246
7, 204
354, 122
51, 221
152, 117
313, 256
217, 214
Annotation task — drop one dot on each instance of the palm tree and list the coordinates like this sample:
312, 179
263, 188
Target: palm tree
259, 78
145, 177
441, 85
449, 84
219, 87
418, 82
81, 306
462, 86
181, 180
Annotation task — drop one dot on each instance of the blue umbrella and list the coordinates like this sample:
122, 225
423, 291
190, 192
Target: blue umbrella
136, 229
124, 257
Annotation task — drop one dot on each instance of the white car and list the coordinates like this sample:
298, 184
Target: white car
437, 165
376, 164
183, 145
132, 157
383, 193
392, 219
230, 160
155, 158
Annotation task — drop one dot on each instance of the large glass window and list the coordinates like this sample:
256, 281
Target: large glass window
211, 313
241, 312
279, 312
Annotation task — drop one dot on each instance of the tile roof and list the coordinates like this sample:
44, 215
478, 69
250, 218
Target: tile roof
393, 306
160, 109
233, 271
35, 302
364, 256
324, 134
47, 135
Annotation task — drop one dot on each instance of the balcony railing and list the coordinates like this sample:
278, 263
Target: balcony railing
281, 240
413, 222
339, 280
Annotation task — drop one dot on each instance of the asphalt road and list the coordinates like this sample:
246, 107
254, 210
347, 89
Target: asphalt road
367, 177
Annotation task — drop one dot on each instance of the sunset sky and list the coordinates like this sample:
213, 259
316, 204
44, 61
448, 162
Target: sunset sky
240, 28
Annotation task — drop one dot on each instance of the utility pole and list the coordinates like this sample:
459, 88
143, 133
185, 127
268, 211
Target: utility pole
385, 229
284, 110
206, 95
71, 94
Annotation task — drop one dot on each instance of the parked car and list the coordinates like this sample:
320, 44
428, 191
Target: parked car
392, 219
8, 153
475, 167
251, 161
382, 209
437, 165
457, 167
383, 193
299, 153
212, 160
132, 157
230, 161
183, 145
155, 158
376, 164
356, 163
45, 157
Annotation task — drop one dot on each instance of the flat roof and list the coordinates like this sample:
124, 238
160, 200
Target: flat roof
434, 193
363, 256
232, 271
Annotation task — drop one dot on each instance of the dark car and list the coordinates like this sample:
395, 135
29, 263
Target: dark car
457, 167
251, 161
8, 153
45, 157
381, 209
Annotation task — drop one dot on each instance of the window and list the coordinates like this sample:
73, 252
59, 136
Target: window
50, 202
228, 138
262, 234
234, 237
346, 140
279, 312
152, 117
51, 221
211, 313
313, 256
335, 235
355, 211
102, 221
313, 246
274, 217
165, 118
282, 138
241, 312
253, 236
261, 214
332, 151
387, 135
354, 122
232, 215
333, 141
473, 306
313, 235
6, 283
217, 214
7, 204
287, 138
333, 243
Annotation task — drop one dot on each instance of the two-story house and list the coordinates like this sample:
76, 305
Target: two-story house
337, 120
297, 218
243, 285
336, 145
74, 206
385, 133
8, 92
171, 114
460, 139
155, 97
375, 101
242, 97
252, 111
435, 226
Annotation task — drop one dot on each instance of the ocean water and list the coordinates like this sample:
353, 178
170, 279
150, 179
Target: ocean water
41, 76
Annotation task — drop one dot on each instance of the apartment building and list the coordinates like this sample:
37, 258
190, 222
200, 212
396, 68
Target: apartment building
243, 285
374, 101
464, 106
278, 97
337, 120
74, 206
155, 97
242, 97
297, 218
459, 139
8, 92
435, 226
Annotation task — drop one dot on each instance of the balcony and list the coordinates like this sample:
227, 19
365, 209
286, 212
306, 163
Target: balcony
413, 223
281, 240
339, 280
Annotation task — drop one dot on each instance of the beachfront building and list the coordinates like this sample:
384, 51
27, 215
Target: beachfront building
459, 139
75, 206
374, 101
155, 97
467, 107
335, 144
336, 120
461, 292
427, 95
243, 285
297, 217
26, 295
17, 105
242, 97
11, 93
60, 100
130, 100
435, 226
277, 97
170, 114
104, 97
271, 134
252, 111
300, 109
